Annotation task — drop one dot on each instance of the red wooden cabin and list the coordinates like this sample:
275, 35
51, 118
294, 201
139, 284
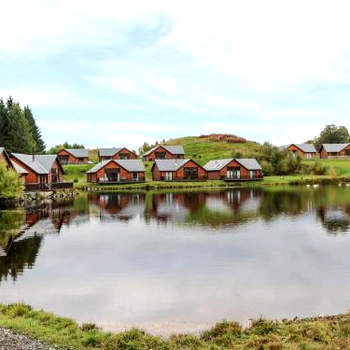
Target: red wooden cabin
233, 169
42, 170
115, 153
115, 171
177, 170
164, 152
73, 156
335, 150
305, 150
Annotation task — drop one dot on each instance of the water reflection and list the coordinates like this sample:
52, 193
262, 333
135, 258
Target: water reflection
161, 256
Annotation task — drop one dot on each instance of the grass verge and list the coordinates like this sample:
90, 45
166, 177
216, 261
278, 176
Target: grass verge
331, 332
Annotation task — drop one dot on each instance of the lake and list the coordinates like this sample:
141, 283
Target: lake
180, 261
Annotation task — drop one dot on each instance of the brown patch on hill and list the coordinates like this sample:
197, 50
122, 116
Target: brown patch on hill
224, 138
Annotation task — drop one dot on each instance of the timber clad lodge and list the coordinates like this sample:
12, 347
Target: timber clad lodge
164, 163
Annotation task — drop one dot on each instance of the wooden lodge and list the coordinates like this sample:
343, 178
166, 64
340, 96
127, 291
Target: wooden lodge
305, 150
73, 156
43, 172
113, 171
164, 152
234, 169
177, 170
335, 150
11, 164
115, 153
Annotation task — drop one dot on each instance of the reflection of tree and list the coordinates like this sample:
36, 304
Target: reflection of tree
21, 255
11, 225
334, 220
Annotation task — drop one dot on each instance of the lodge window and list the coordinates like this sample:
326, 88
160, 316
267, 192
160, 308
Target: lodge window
63, 159
135, 176
233, 173
334, 153
160, 155
347, 152
168, 175
124, 156
191, 173
112, 175
252, 174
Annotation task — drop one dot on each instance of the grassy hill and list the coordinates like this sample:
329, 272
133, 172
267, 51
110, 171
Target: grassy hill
203, 149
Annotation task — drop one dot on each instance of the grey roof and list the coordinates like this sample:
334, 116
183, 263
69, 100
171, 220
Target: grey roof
171, 149
131, 165
334, 147
249, 163
42, 164
18, 168
108, 152
170, 164
78, 152
216, 164
306, 147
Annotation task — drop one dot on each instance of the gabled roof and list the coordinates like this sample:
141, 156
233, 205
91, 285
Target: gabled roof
249, 163
305, 147
42, 164
170, 164
131, 165
108, 152
170, 149
18, 168
78, 152
334, 147
217, 164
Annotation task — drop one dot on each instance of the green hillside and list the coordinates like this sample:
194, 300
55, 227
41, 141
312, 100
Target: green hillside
203, 150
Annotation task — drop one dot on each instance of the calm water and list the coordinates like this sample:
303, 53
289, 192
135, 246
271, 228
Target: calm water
181, 261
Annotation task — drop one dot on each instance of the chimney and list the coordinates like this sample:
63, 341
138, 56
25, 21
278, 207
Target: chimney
33, 156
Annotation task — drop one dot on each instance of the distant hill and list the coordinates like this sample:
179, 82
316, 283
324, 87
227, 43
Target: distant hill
215, 146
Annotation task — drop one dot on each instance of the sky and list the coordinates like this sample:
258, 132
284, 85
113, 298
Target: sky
120, 73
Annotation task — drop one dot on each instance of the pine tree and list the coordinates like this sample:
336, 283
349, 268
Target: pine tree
39, 143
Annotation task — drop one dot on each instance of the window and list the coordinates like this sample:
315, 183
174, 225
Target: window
168, 176
347, 152
113, 175
191, 173
135, 176
160, 155
233, 173
124, 156
63, 159
252, 174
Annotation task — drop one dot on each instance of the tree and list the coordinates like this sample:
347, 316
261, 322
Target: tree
333, 134
11, 184
18, 130
36, 133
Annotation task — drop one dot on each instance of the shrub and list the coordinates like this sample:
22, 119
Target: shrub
11, 184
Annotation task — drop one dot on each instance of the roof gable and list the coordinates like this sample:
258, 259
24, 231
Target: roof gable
334, 147
172, 164
130, 165
177, 149
78, 152
249, 163
41, 164
305, 147
217, 164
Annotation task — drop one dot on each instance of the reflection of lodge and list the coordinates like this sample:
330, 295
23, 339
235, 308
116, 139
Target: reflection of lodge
204, 208
118, 206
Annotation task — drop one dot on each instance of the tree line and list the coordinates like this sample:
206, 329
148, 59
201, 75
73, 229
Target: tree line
18, 129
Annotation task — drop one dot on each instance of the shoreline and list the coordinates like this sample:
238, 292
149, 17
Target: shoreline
58, 332
268, 181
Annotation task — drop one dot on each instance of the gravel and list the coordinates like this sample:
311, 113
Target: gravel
13, 341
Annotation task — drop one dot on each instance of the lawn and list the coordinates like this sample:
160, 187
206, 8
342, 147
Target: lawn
313, 333
76, 172
342, 166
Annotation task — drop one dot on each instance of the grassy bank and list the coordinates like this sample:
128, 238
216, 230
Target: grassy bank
315, 333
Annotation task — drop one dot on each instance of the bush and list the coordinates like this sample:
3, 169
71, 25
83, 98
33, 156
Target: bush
11, 184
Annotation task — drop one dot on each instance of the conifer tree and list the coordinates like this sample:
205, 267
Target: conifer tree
39, 143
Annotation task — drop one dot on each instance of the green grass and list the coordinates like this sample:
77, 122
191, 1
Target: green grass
76, 172
202, 150
342, 166
314, 333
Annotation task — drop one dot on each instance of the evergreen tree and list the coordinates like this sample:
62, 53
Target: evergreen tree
39, 143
